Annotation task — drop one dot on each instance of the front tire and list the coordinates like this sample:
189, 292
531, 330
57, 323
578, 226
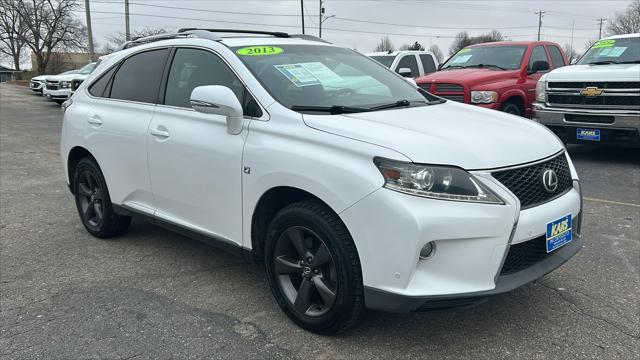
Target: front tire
93, 201
512, 108
313, 268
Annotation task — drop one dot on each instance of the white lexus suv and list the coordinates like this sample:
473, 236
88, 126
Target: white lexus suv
354, 188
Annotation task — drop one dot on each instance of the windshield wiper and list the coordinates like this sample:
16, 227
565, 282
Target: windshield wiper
487, 65
604, 62
399, 103
335, 109
453, 67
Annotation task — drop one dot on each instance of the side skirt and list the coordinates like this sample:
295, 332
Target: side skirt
216, 242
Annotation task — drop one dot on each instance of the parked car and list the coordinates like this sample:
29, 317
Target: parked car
496, 75
598, 99
382, 196
58, 88
37, 83
410, 64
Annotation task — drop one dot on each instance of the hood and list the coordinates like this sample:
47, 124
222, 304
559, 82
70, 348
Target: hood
447, 134
41, 77
468, 77
609, 72
64, 77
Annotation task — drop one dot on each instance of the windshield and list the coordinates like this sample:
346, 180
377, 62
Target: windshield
74, 71
304, 76
385, 60
508, 57
612, 51
87, 69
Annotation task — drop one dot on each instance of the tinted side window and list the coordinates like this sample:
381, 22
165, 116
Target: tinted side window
538, 54
97, 88
409, 61
139, 77
192, 68
427, 63
556, 57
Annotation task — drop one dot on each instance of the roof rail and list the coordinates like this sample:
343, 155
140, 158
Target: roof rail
237, 31
308, 37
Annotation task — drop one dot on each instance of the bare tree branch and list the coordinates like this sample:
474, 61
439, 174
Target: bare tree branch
627, 22
12, 44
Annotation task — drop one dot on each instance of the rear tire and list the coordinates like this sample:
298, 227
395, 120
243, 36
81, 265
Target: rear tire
313, 268
93, 201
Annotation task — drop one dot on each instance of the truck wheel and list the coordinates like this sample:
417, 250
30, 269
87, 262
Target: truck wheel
313, 268
512, 108
93, 201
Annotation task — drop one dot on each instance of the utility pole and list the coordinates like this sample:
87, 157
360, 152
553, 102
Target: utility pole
127, 32
320, 13
87, 11
540, 13
302, 13
600, 22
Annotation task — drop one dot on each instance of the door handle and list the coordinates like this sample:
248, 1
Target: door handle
94, 120
160, 132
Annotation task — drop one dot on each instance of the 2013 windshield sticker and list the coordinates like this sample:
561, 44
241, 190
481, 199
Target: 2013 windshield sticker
604, 43
465, 50
259, 50
306, 74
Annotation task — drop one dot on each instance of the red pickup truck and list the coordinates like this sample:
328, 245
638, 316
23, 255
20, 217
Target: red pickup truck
496, 75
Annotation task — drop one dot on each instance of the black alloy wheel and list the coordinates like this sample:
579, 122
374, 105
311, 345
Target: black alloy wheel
305, 271
313, 268
91, 200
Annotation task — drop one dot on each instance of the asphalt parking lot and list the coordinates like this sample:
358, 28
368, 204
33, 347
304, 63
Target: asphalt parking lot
155, 294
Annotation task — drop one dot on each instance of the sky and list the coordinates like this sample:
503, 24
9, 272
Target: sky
360, 24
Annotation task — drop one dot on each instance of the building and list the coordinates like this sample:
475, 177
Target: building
7, 74
63, 61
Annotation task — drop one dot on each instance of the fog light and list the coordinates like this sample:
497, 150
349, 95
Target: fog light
427, 250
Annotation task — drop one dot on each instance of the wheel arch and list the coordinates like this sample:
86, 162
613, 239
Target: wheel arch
516, 99
269, 204
76, 154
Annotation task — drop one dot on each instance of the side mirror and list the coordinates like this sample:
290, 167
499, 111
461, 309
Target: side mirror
406, 72
539, 66
219, 100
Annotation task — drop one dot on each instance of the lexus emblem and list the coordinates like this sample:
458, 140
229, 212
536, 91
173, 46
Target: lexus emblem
550, 180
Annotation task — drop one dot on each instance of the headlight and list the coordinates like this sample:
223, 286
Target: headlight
65, 84
484, 97
438, 182
541, 90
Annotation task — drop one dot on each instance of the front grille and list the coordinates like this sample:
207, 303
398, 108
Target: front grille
426, 87
600, 85
458, 98
524, 255
615, 94
593, 119
449, 88
51, 85
625, 100
526, 182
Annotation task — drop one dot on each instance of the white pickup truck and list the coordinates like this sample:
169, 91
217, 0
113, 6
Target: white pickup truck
598, 99
410, 64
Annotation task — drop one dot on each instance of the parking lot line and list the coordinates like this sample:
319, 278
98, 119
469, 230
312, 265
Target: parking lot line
611, 202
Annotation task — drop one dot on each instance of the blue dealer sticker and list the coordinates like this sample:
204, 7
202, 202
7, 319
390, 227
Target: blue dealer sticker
588, 134
559, 233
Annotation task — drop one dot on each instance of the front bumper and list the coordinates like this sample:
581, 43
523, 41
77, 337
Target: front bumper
471, 243
60, 94
622, 127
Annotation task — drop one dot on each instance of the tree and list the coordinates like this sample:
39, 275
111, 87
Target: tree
12, 45
627, 22
50, 26
385, 44
120, 37
570, 52
463, 40
435, 49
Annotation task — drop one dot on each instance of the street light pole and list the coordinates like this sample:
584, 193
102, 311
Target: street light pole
600, 22
320, 13
540, 13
